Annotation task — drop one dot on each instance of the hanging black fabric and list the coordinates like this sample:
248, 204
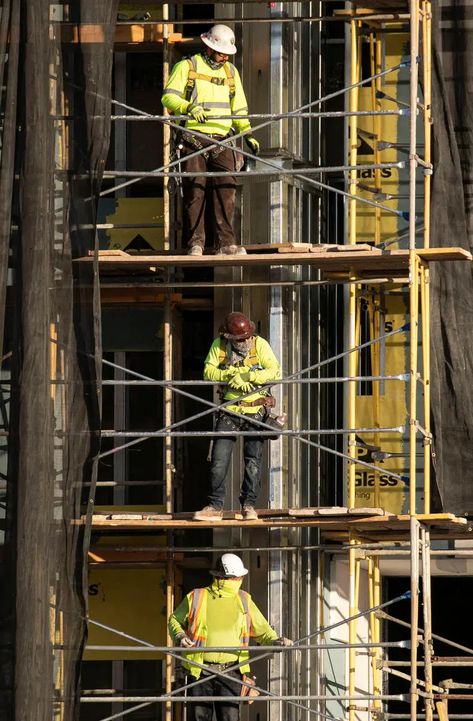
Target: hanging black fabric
452, 283
55, 139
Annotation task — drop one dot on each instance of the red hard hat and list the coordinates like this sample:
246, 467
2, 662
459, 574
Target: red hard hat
237, 326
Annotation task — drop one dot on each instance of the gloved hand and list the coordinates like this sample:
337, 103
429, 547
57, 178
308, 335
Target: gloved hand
252, 144
183, 640
238, 384
229, 373
282, 641
197, 112
247, 375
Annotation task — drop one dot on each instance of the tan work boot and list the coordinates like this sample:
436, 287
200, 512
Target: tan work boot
208, 513
248, 512
195, 250
231, 250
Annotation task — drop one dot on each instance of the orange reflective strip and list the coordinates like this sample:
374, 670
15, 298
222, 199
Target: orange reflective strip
245, 639
197, 601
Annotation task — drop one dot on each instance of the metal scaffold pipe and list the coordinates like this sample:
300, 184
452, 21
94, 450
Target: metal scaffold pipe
227, 649
214, 406
264, 116
224, 434
248, 699
335, 379
258, 173
378, 17
231, 140
237, 665
157, 285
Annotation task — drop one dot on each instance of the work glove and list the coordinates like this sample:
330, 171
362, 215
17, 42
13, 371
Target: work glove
252, 144
247, 375
282, 641
238, 384
183, 640
228, 373
197, 112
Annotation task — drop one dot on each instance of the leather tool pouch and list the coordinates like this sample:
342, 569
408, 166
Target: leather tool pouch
246, 690
276, 422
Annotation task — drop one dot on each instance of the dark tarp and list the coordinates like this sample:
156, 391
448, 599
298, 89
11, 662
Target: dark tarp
452, 283
55, 140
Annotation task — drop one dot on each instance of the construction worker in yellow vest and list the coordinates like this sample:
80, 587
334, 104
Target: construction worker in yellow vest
204, 87
221, 615
243, 362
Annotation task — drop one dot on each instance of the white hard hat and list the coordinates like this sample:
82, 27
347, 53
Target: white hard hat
229, 565
220, 38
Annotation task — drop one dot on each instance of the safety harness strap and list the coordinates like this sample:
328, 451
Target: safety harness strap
244, 598
224, 352
193, 75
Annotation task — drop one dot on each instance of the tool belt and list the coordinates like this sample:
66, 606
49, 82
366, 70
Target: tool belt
195, 143
220, 666
241, 422
266, 401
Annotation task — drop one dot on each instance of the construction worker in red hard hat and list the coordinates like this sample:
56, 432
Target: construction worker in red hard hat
203, 87
221, 615
244, 362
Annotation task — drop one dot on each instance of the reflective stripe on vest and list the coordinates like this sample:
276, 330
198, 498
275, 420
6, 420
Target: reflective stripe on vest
245, 640
195, 609
198, 596
193, 75
224, 352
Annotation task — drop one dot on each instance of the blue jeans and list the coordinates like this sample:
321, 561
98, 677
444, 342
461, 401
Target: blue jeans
221, 455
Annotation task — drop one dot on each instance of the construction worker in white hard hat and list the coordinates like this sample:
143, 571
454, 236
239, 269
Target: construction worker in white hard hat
207, 87
221, 615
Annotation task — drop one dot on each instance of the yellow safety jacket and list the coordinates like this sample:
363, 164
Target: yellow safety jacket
219, 92
221, 611
261, 360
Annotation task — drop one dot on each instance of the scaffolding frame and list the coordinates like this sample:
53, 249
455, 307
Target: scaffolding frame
418, 547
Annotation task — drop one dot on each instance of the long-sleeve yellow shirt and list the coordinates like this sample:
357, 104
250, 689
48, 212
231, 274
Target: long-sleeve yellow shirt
269, 370
221, 623
213, 97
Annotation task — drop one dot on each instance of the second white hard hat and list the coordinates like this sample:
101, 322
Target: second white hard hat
220, 38
228, 565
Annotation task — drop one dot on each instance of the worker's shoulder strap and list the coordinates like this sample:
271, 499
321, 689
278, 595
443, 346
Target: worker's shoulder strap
230, 73
193, 75
245, 600
224, 353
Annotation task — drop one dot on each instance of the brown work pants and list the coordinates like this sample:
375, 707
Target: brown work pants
196, 190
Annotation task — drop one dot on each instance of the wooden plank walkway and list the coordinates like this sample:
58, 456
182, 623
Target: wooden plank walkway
368, 523
393, 262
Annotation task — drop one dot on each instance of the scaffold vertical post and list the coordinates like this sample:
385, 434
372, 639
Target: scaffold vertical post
425, 323
414, 568
167, 370
413, 261
425, 318
427, 618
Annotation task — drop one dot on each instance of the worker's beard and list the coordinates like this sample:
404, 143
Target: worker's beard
213, 63
242, 347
